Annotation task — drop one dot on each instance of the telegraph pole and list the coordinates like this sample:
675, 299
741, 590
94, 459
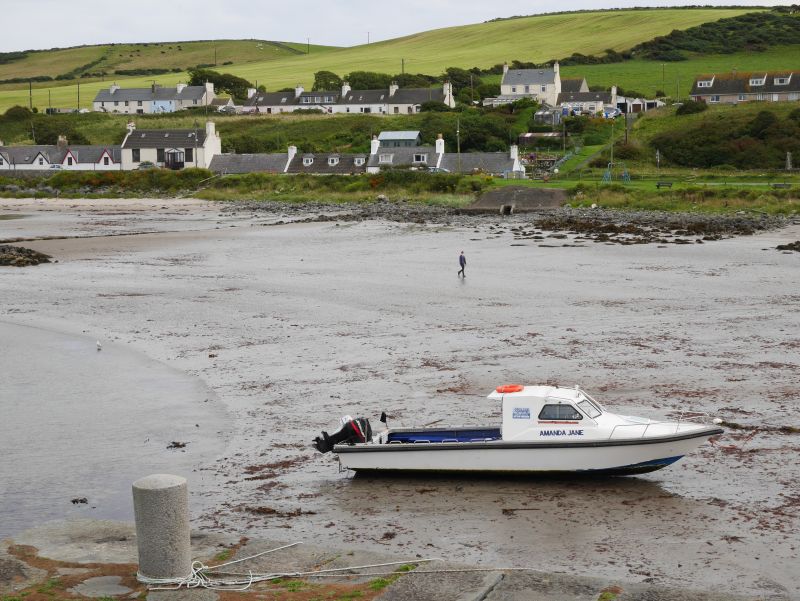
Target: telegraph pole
79, 96
30, 94
458, 142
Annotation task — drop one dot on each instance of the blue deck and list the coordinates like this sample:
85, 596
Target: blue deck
472, 435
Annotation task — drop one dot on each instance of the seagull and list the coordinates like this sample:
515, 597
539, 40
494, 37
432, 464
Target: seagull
99, 346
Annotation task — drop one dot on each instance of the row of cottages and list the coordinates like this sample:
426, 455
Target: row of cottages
155, 99
60, 156
746, 87
392, 101
426, 158
170, 148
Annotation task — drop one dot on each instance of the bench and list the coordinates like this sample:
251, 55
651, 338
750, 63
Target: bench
782, 186
660, 185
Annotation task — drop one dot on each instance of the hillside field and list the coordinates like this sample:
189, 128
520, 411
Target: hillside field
537, 38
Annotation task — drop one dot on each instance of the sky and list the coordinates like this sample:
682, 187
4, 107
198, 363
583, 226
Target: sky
35, 24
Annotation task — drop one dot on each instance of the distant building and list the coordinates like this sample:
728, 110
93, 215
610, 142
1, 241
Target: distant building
747, 87
155, 99
391, 101
396, 139
170, 148
60, 156
292, 162
591, 103
540, 85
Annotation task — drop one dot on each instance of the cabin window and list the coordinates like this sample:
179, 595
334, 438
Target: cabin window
560, 412
589, 408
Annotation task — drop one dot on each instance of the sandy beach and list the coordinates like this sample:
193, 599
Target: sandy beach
290, 326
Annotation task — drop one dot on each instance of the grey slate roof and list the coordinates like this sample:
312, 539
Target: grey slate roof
535, 77
386, 136
417, 96
321, 166
366, 97
401, 96
272, 99
165, 138
151, 93
604, 97
740, 84
569, 86
26, 155
486, 162
404, 157
249, 163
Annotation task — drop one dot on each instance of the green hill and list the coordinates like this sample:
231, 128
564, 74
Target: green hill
536, 38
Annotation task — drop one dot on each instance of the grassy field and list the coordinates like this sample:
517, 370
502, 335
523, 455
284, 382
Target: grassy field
166, 55
537, 38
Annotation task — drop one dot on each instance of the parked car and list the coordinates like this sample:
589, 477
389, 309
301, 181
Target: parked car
147, 165
55, 166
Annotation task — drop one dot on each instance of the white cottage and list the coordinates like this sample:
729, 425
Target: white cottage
170, 148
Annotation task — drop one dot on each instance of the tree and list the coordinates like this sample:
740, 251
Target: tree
223, 82
327, 80
368, 80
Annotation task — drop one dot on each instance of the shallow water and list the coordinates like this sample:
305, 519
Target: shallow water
293, 326
82, 423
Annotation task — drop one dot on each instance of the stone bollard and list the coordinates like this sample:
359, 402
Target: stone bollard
161, 509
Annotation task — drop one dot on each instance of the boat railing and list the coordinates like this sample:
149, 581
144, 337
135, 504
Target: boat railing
645, 428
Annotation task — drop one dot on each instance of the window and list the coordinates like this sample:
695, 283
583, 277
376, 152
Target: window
420, 158
160, 155
544, 88
359, 161
742, 97
396, 110
194, 101
189, 154
136, 155
589, 408
138, 103
308, 161
106, 161
385, 159
69, 160
328, 98
714, 99
333, 161
127, 103
781, 81
560, 412
140, 111
705, 84
1, 160
306, 100
794, 96
527, 89
41, 161
513, 89
103, 104
116, 103
754, 81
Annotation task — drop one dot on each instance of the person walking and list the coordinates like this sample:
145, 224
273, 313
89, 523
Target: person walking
462, 261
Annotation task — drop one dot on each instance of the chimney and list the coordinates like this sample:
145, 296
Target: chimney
374, 145
131, 127
513, 152
614, 95
180, 87
393, 88
345, 89
210, 92
447, 89
440, 144
505, 68
62, 142
298, 91
114, 87
250, 93
556, 68
211, 129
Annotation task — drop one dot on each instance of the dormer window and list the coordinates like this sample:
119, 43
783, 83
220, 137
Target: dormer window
358, 162
333, 161
705, 83
307, 161
385, 158
757, 81
283, 100
420, 158
782, 81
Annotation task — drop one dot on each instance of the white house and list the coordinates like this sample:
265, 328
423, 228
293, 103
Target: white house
171, 148
155, 99
591, 103
540, 85
392, 101
62, 156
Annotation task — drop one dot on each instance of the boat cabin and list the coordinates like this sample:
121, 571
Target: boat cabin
546, 412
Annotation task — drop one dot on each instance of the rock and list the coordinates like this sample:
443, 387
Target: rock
18, 256
791, 246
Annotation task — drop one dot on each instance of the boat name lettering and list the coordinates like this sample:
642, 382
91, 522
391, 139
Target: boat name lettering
521, 413
561, 433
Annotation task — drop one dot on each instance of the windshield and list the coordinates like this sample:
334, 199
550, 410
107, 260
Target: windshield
589, 408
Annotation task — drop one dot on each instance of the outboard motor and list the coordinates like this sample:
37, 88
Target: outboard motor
351, 432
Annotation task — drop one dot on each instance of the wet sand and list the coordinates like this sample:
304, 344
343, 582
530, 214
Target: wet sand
295, 325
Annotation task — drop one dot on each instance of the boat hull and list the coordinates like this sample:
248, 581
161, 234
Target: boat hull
607, 457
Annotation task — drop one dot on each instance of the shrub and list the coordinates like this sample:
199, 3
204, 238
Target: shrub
691, 107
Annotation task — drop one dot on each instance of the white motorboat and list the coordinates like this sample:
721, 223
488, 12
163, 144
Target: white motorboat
545, 430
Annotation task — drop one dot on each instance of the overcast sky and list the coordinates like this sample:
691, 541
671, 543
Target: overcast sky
32, 24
